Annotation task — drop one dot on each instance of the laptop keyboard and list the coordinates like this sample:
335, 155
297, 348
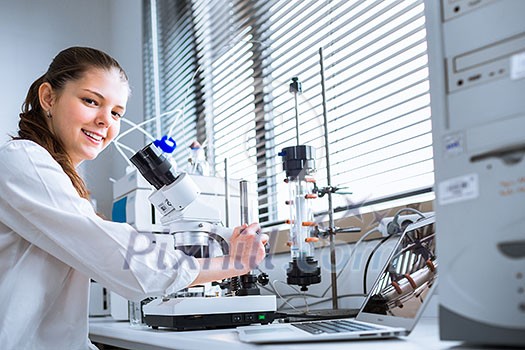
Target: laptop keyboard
333, 326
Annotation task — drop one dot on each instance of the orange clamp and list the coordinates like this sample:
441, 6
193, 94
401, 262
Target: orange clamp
431, 265
397, 287
411, 281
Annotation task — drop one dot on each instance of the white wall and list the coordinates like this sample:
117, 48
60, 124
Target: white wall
33, 32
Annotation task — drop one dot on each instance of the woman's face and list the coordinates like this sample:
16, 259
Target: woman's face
86, 114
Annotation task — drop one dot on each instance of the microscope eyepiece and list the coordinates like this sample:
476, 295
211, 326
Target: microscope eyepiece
154, 166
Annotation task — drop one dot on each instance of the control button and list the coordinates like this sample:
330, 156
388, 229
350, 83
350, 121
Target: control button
249, 317
237, 318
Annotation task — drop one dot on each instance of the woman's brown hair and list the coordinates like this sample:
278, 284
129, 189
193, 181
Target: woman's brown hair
69, 65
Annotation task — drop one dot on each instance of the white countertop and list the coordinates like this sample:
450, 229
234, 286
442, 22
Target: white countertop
121, 334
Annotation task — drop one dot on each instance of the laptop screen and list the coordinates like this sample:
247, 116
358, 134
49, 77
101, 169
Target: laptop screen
407, 278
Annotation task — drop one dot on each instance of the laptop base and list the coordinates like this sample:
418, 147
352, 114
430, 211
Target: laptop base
321, 314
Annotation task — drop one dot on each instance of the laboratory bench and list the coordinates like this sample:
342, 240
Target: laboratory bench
120, 334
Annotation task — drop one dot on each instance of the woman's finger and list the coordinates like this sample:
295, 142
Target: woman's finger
264, 238
251, 229
238, 230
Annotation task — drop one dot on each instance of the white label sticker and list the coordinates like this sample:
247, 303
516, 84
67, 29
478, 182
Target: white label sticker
517, 66
458, 189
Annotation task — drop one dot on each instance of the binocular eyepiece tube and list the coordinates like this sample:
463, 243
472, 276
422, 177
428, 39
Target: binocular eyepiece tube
154, 166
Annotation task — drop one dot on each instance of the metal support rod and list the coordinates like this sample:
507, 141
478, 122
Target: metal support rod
245, 214
331, 223
226, 194
156, 73
296, 89
297, 133
243, 192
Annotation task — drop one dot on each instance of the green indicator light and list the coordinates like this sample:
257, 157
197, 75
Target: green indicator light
262, 317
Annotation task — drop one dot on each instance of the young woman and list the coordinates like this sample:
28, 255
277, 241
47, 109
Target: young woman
51, 240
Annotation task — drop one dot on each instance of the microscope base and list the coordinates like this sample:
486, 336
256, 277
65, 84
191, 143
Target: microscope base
214, 312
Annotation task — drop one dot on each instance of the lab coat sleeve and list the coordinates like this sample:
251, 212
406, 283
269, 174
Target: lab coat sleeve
39, 202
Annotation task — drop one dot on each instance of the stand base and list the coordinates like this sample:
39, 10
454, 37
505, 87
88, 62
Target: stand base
214, 312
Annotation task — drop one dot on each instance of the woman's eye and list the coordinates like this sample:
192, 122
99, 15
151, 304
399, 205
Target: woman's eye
90, 101
117, 115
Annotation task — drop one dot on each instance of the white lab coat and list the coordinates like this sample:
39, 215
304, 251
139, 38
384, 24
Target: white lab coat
52, 243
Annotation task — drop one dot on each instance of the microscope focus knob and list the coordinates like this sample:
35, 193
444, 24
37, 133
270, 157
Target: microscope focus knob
263, 279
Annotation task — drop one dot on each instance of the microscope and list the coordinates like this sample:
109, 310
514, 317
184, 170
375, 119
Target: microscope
195, 227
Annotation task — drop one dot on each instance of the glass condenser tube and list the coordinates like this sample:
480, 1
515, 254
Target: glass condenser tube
301, 219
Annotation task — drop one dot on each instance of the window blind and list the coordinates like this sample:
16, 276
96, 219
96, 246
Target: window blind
176, 98
230, 63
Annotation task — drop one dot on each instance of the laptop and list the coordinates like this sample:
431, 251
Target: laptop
392, 308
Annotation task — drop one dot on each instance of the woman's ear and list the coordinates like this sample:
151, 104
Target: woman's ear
46, 95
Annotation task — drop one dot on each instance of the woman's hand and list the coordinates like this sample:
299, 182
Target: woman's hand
246, 252
247, 247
